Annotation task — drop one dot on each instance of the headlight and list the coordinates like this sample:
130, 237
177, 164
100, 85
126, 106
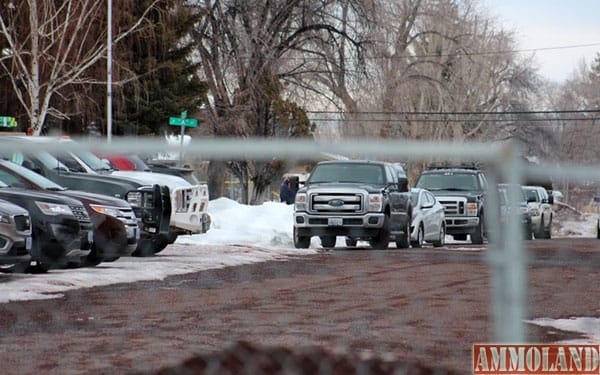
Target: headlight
106, 210
471, 209
54, 208
300, 202
134, 198
534, 211
4, 218
375, 202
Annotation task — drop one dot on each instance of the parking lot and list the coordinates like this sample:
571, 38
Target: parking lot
424, 305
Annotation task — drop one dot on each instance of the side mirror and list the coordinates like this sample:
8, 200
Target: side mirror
403, 184
550, 199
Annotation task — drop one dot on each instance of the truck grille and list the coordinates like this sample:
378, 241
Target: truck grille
336, 203
80, 213
453, 206
22, 223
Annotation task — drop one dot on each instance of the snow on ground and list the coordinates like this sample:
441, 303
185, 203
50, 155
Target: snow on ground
242, 234
589, 327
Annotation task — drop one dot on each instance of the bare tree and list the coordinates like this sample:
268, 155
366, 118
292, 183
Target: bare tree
49, 46
247, 49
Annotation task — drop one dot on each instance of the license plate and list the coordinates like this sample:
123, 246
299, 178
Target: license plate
28, 243
335, 222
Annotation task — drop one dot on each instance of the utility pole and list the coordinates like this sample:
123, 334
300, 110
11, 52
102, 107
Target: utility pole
109, 73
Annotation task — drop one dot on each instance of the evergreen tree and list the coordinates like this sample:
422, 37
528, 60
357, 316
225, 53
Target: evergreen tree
164, 82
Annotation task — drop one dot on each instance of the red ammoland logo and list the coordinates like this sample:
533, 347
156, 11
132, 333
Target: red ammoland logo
527, 359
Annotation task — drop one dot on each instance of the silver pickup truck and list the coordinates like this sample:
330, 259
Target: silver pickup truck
360, 200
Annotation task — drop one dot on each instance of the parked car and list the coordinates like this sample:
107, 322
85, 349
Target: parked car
133, 162
150, 202
15, 235
116, 231
62, 233
523, 210
189, 213
540, 207
428, 219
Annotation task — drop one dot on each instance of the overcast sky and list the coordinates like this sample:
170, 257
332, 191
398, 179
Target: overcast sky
540, 24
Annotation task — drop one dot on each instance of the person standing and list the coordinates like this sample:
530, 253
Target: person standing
285, 191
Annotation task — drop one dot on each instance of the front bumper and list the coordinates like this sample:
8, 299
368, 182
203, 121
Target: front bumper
461, 224
367, 225
60, 242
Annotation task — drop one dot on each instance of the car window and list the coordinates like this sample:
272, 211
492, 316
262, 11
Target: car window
11, 180
532, 194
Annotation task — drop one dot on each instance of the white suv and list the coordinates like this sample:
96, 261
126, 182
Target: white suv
540, 208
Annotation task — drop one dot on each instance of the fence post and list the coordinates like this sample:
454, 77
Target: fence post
507, 257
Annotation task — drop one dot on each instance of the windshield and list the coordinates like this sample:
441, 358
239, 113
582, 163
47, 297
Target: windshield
47, 160
352, 173
30, 175
93, 161
448, 181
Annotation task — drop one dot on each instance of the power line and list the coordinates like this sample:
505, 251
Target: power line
458, 54
460, 113
460, 120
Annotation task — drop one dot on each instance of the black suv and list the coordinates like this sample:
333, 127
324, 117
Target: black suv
61, 228
462, 190
116, 229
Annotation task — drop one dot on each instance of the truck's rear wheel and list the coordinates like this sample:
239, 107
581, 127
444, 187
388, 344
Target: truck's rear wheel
301, 242
403, 240
382, 240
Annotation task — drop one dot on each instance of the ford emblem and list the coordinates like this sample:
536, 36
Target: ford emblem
336, 202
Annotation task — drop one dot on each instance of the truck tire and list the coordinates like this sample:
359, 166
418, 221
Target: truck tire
403, 240
301, 242
477, 237
548, 231
328, 242
382, 240
351, 242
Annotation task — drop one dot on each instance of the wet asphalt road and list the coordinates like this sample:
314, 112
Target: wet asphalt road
425, 305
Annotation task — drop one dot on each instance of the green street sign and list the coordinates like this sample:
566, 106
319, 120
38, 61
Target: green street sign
8, 122
188, 122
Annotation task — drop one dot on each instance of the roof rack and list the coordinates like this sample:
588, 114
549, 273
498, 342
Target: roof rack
455, 165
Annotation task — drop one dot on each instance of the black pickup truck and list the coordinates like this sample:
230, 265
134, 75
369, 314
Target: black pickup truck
151, 203
462, 190
360, 200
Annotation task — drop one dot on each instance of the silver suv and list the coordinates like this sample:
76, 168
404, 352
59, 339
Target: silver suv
15, 234
540, 208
